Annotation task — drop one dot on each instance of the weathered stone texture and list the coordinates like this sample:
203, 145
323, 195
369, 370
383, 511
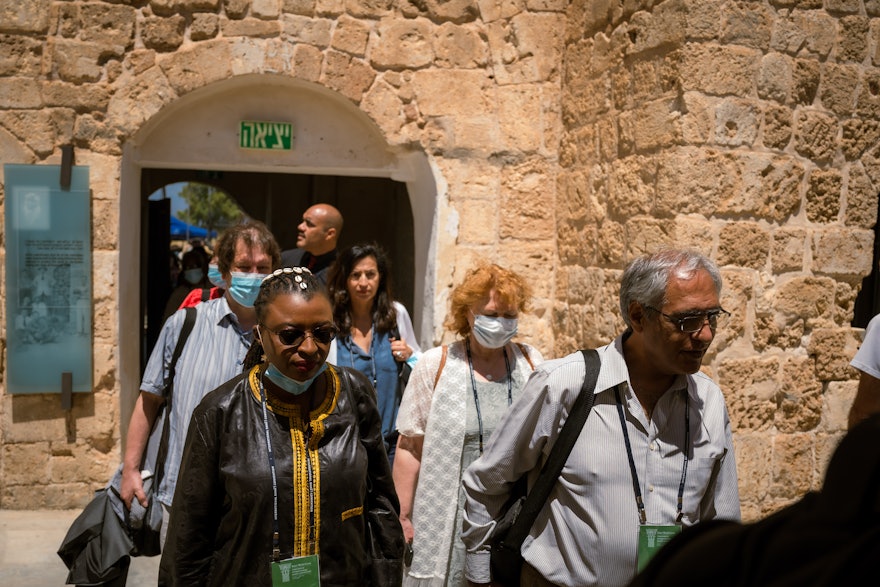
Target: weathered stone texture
792, 466
351, 36
852, 39
799, 397
775, 77
816, 136
204, 26
823, 196
403, 44
839, 87
110, 25
751, 387
694, 181
861, 199
25, 16
163, 34
845, 253
20, 55
804, 32
787, 252
567, 137
746, 244
464, 47
747, 24
832, 350
720, 70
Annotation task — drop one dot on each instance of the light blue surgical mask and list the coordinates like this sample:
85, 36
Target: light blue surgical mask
215, 277
245, 287
291, 385
194, 275
494, 332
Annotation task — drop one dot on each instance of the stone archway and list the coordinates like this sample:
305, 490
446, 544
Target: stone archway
199, 131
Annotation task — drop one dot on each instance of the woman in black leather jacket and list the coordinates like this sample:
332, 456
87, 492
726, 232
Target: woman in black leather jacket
317, 493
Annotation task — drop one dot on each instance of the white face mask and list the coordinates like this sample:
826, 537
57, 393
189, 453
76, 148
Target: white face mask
494, 332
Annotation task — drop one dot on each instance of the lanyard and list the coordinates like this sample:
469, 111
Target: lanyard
467, 345
276, 548
632, 464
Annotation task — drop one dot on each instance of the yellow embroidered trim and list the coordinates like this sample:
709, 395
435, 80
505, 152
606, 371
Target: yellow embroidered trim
296, 425
352, 513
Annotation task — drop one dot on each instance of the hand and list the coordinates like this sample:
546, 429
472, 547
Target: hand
408, 531
400, 350
132, 486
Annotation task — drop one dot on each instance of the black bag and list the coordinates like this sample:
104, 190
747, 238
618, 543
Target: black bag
404, 369
100, 540
521, 509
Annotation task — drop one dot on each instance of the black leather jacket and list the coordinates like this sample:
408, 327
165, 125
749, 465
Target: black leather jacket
222, 520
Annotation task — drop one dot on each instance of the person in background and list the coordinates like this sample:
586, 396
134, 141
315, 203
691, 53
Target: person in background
212, 355
375, 332
454, 400
194, 275
867, 361
316, 240
655, 454
292, 446
218, 287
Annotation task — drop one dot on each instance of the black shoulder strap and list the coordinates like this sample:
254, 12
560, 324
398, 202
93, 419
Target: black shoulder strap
536, 498
188, 323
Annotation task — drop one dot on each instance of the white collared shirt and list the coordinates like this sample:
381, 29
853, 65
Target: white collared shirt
587, 533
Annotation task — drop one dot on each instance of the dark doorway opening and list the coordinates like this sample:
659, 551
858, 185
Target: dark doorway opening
374, 209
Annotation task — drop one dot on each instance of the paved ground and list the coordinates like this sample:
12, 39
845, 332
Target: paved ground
29, 542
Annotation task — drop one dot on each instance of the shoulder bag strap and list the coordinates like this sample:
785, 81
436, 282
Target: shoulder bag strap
536, 498
188, 323
525, 353
442, 364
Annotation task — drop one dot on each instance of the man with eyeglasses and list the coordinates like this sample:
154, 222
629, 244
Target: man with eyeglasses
213, 354
655, 454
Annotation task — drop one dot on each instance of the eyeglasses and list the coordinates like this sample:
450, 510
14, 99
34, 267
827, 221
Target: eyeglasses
694, 322
297, 336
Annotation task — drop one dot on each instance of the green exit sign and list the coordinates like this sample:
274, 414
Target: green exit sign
265, 135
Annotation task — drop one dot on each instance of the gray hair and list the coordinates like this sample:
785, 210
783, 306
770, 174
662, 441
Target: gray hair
645, 279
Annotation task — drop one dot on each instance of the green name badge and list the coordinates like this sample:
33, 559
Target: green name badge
652, 539
302, 571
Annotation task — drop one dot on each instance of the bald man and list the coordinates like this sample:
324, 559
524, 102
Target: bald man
316, 239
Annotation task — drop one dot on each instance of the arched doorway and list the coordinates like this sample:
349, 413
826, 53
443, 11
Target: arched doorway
338, 155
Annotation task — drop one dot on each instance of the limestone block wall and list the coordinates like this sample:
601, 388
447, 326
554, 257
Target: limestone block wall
472, 84
749, 131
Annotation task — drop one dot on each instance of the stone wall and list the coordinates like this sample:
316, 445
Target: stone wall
566, 137
474, 85
749, 131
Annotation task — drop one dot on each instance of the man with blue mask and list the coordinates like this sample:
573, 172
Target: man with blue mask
214, 353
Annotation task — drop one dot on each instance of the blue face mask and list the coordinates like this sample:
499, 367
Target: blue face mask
245, 287
193, 276
291, 385
215, 277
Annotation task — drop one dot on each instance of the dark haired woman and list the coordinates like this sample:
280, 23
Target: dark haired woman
284, 472
375, 332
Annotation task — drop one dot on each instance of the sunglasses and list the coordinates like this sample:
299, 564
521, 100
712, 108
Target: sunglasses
695, 322
296, 336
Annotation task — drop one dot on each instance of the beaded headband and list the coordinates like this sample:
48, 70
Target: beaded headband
297, 277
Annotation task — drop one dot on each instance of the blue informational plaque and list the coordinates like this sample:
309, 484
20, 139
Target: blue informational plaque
48, 279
